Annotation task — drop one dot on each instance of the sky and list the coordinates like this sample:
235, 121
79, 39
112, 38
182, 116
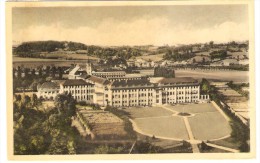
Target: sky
132, 25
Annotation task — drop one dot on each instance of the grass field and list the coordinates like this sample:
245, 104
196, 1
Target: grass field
157, 57
207, 126
206, 122
228, 142
142, 112
194, 108
165, 127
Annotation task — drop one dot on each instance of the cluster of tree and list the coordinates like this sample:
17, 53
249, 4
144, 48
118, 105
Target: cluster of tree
205, 87
178, 55
27, 48
241, 134
204, 148
105, 149
220, 54
37, 131
116, 61
26, 78
164, 72
92, 105
34, 49
146, 147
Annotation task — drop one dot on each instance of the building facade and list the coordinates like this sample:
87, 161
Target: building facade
126, 91
145, 92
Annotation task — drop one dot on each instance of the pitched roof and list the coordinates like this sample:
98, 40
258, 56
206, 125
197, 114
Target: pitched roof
49, 85
139, 82
180, 80
98, 80
73, 82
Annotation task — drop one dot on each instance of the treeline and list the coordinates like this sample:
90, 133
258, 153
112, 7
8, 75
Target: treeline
34, 49
221, 54
38, 46
179, 54
164, 72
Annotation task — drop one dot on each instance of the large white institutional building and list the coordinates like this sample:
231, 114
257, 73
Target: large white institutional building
124, 92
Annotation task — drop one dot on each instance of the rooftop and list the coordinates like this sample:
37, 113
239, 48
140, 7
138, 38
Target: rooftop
98, 80
49, 85
181, 80
72, 82
138, 82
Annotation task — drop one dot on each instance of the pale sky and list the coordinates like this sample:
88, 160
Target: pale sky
143, 25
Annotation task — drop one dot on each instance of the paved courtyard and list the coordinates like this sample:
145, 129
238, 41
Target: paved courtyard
204, 123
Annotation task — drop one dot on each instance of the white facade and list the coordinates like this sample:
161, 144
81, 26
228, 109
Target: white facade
127, 93
109, 74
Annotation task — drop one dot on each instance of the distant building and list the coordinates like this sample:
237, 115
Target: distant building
109, 74
48, 90
76, 72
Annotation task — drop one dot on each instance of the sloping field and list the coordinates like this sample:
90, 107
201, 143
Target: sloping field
236, 76
172, 127
208, 126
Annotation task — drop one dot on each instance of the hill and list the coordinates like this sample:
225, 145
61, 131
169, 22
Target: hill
54, 49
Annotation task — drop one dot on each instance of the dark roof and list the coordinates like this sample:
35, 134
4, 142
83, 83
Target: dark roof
49, 85
72, 82
84, 76
139, 82
98, 80
181, 80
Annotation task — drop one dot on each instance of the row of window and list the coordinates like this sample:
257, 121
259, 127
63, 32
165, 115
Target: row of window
80, 86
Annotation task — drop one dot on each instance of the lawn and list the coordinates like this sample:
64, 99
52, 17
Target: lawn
193, 108
211, 125
172, 127
206, 123
141, 112
228, 142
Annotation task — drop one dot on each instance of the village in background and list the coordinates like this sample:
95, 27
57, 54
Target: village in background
72, 98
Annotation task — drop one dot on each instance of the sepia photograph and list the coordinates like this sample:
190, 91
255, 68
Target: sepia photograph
117, 80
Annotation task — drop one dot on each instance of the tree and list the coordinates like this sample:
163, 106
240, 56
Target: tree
211, 43
205, 86
203, 60
193, 60
146, 147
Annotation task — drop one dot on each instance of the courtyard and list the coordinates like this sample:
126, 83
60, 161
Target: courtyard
200, 122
